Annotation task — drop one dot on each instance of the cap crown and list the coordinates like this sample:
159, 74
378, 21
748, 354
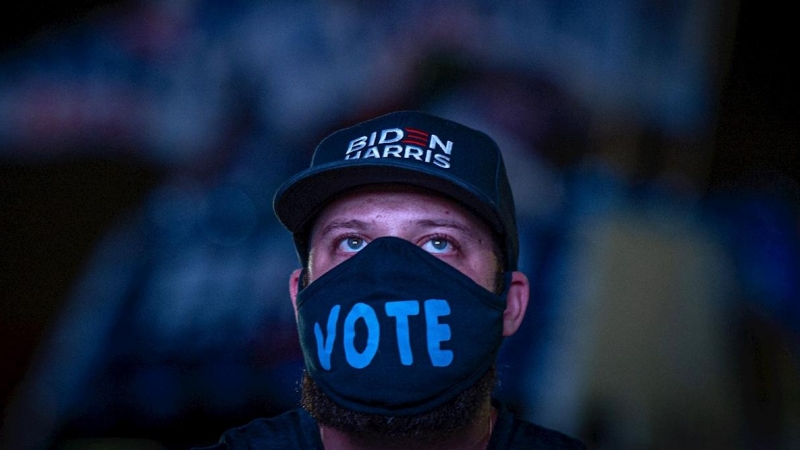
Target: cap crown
406, 147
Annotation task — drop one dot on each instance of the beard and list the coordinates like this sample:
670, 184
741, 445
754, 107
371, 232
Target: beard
436, 425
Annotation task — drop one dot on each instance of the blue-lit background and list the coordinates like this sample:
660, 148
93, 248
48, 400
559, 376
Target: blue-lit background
652, 147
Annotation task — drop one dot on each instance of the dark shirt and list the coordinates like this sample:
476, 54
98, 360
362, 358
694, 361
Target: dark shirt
297, 430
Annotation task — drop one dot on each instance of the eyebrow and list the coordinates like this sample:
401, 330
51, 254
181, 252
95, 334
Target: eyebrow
352, 224
432, 223
355, 224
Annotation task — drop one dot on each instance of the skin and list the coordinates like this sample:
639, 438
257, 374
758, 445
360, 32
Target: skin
436, 224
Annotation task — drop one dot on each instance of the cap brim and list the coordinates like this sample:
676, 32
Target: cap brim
301, 197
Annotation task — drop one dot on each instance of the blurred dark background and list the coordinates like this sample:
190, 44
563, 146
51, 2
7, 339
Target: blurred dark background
653, 147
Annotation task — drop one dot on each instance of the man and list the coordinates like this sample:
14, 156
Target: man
406, 232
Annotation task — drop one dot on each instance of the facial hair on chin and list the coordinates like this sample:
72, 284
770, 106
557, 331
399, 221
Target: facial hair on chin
435, 425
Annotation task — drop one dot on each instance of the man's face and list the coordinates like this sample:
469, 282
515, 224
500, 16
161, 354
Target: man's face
434, 223
449, 232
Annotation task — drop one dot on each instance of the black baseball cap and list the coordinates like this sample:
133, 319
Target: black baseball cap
408, 147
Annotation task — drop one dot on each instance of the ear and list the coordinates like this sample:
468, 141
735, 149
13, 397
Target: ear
516, 304
294, 287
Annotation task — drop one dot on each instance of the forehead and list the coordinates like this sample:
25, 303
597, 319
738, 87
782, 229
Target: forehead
388, 204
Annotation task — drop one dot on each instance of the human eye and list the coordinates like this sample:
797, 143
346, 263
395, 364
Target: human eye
438, 245
351, 244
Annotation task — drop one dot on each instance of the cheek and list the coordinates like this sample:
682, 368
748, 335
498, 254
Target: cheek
317, 265
315, 271
491, 271
488, 279
320, 262
482, 269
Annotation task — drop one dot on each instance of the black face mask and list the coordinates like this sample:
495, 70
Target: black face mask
394, 330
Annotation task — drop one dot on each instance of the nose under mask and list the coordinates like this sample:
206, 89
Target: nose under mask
394, 330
